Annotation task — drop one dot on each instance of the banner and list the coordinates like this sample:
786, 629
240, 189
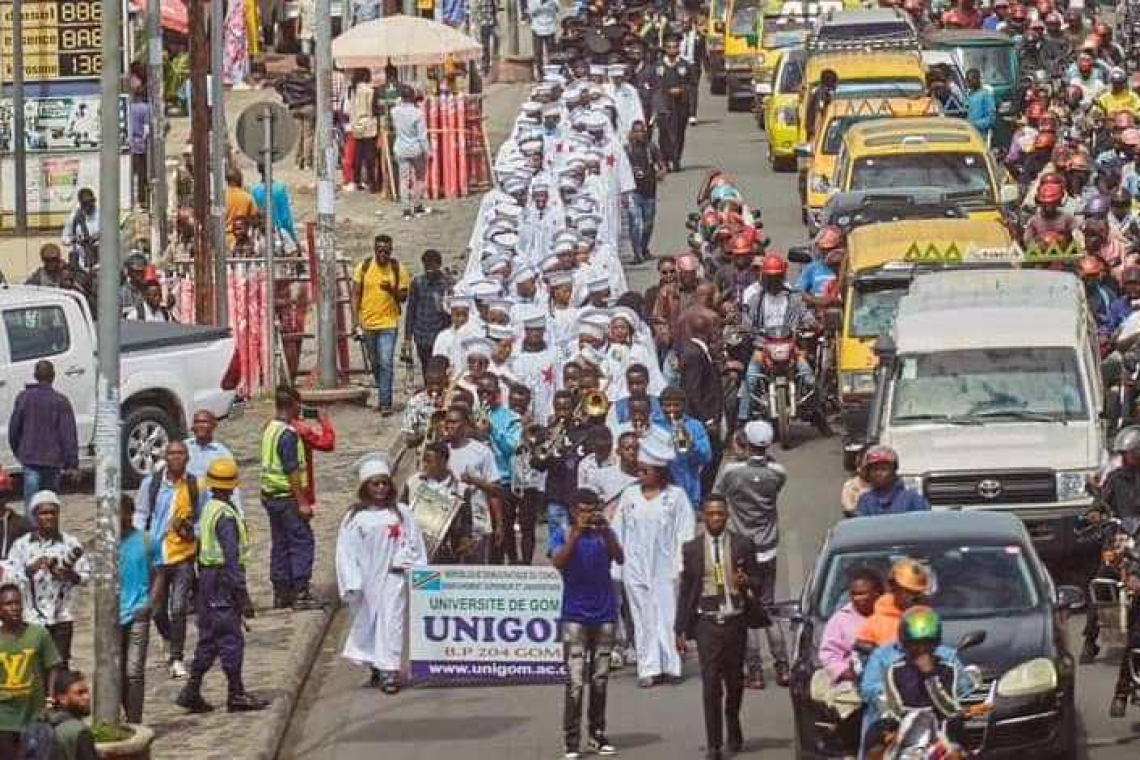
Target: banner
485, 624
65, 124
54, 181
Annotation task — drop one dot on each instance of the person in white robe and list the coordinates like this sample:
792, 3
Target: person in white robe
378, 543
624, 351
449, 343
626, 100
536, 364
653, 521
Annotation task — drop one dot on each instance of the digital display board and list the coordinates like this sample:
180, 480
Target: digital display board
62, 39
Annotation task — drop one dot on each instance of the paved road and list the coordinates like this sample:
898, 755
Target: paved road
340, 721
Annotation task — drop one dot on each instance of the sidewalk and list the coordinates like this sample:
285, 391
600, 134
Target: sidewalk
281, 646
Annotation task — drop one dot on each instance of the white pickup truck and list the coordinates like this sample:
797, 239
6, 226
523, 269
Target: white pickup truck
168, 371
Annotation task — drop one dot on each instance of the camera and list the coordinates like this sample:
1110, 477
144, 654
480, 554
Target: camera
310, 412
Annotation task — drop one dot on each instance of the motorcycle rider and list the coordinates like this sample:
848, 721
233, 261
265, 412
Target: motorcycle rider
918, 672
1118, 97
817, 280
1098, 292
1122, 221
768, 304
1049, 217
1056, 47
888, 495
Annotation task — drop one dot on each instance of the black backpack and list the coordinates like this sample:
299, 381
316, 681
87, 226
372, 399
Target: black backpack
156, 485
38, 740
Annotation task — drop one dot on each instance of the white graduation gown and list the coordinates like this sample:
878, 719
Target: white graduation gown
370, 543
652, 533
542, 373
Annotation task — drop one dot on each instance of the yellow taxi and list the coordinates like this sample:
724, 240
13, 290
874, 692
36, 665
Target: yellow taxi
877, 270
778, 35
936, 151
741, 44
818, 157
861, 74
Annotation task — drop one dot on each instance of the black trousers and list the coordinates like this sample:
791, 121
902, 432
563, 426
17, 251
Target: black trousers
522, 511
720, 647
671, 126
364, 163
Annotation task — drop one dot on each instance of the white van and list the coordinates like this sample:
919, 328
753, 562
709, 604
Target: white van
991, 394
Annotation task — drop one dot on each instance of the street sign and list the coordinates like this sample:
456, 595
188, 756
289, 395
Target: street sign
62, 39
251, 131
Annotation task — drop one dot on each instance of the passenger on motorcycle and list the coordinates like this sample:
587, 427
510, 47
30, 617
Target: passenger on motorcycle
1086, 74
837, 653
1122, 221
907, 586
767, 304
1099, 293
1123, 305
888, 495
1120, 153
1049, 217
734, 277
817, 279
916, 673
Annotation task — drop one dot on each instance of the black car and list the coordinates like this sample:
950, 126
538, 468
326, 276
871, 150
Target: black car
987, 577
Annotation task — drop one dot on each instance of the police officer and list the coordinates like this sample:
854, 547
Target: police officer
223, 600
674, 73
285, 497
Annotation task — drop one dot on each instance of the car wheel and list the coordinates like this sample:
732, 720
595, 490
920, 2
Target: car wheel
718, 85
1067, 742
146, 432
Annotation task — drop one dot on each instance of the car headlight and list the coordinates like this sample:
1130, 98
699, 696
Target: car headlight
789, 116
820, 184
1036, 676
1072, 484
855, 382
912, 482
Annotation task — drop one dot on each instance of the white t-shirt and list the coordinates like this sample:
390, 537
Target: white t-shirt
475, 458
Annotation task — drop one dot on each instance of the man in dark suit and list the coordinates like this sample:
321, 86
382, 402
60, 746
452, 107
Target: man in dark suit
704, 393
717, 604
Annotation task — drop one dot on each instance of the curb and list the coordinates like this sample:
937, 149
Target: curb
275, 720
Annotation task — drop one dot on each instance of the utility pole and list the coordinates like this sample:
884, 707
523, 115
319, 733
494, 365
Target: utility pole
19, 142
107, 442
270, 248
200, 136
218, 165
157, 98
325, 160
513, 26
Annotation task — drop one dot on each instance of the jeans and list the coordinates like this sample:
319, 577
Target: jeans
172, 605
542, 46
804, 375
489, 39
382, 348
641, 214
766, 580
292, 547
586, 649
61, 634
134, 638
557, 525
39, 479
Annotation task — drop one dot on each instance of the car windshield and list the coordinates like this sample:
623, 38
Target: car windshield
963, 174
743, 20
994, 63
873, 309
967, 581
881, 88
782, 33
792, 75
887, 30
838, 127
994, 384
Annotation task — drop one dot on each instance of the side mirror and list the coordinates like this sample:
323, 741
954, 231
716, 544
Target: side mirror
800, 254
1069, 598
970, 640
1008, 194
803, 150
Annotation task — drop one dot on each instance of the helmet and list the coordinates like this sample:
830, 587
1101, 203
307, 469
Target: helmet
743, 243
829, 238
880, 455
1049, 193
1090, 266
222, 475
1127, 440
920, 624
1117, 76
1097, 206
773, 266
908, 574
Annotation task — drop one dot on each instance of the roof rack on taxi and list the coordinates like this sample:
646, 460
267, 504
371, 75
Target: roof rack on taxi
863, 45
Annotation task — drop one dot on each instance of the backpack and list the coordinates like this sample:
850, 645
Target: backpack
156, 486
38, 740
360, 111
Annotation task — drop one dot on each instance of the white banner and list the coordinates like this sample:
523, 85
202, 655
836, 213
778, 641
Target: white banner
485, 624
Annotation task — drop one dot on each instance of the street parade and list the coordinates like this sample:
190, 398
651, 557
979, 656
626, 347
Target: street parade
763, 379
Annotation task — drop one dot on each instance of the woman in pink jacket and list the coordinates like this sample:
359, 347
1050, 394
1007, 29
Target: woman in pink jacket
837, 647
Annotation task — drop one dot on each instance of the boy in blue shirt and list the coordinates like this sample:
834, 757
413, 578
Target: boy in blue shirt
589, 614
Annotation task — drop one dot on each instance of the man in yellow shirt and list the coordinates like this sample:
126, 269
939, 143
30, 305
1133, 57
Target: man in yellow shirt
1118, 97
379, 286
239, 203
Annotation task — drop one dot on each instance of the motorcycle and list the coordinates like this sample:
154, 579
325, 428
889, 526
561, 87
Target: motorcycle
1111, 598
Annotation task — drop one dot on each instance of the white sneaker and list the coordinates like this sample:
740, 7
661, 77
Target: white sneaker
616, 660
599, 745
349, 187
178, 670
572, 754
692, 121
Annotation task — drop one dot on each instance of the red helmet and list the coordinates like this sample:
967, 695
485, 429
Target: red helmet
1090, 266
743, 243
830, 238
773, 266
880, 455
1050, 194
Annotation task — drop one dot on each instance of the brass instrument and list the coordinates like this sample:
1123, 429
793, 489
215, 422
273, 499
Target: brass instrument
554, 442
681, 439
481, 419
640, 426
592, 404
433, 430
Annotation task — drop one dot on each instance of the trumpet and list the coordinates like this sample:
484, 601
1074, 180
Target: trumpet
432, 433
681, 439
593, 404
481, 418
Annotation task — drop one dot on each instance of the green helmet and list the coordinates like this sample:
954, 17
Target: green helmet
920, 624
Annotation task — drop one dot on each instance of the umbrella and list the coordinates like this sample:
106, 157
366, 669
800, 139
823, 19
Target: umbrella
402, 41
175, 16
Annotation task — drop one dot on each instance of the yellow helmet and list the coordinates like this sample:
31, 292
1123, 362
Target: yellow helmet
223, 474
